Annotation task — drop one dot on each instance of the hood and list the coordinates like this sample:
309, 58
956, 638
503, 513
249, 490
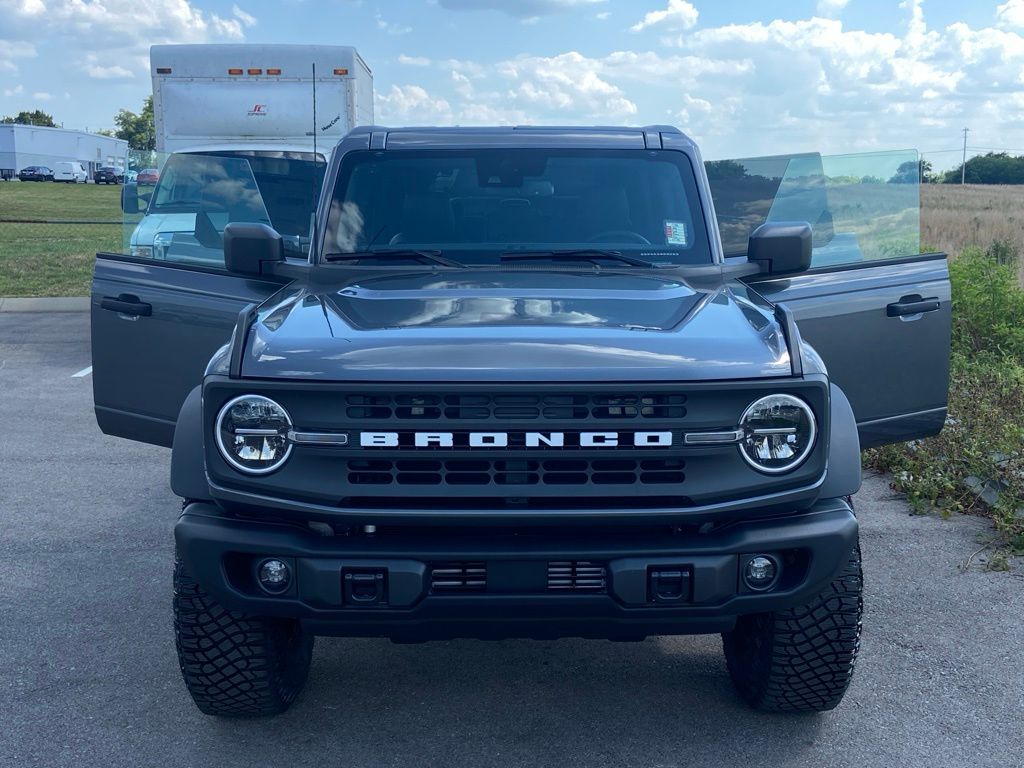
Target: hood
500, 326
154, 223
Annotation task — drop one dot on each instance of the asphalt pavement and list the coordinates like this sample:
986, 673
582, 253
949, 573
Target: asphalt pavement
89, 677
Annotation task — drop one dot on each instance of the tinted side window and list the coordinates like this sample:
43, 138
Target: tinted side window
860, 207
177, 206
875, 204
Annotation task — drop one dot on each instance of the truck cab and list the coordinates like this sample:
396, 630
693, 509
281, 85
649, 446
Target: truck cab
518, 388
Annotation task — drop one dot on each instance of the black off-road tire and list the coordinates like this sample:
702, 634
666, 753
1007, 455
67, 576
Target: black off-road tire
800, 659
236, 665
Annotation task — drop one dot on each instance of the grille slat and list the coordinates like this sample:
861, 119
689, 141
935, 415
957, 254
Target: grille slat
506, 472
579, 575
458, 577
485, 406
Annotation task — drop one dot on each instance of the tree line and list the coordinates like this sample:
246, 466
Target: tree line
139, 130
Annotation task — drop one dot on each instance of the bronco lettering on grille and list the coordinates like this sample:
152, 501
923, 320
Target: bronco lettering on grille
509, 439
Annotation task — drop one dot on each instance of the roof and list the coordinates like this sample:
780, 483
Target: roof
622, 137
58, 130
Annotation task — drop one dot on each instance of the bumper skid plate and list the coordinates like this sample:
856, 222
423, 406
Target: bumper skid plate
418, 586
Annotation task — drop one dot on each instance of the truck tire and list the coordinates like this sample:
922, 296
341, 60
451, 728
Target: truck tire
236, 665
800, 659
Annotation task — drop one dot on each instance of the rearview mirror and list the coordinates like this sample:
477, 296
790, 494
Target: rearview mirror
248, 247
781, 247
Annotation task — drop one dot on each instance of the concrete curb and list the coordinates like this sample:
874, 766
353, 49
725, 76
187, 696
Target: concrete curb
45, 304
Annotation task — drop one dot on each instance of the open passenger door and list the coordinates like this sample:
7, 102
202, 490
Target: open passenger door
159, 316
874, 307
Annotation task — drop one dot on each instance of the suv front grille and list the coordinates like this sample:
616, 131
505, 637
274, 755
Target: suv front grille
576, 575
458, 577
516, 472
489, 406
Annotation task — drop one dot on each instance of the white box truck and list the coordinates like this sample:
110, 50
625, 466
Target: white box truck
247, 113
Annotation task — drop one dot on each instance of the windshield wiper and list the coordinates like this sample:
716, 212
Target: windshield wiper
578, 254
400, 254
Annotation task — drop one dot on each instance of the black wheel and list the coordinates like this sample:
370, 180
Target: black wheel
800, 659
236, 665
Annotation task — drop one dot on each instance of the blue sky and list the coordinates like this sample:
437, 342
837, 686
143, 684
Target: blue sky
742, 77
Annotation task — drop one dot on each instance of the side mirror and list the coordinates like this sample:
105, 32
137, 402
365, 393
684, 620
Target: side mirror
130, 198
781, 247
248, 247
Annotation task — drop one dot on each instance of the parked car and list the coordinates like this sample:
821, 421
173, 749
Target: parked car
148, 177
36, 173
129, 177
72, 172
108, 174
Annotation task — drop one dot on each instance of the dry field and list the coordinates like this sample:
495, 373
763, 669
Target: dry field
954, 217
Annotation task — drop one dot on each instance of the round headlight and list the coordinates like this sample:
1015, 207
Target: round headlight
252, 434
778, 433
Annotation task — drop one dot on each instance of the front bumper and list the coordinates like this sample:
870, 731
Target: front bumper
518, 597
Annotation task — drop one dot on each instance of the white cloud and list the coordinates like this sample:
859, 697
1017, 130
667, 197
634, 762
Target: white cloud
411, 105
740, 88
567, 82
247, 19
15, 91
136, 23
232, 28
765, 87
831, 8
465, 66
392, 28
100, 71
413, 61
603, 15
678, 14
111, 38
11, 51
42, 96
463, 85
521, 8
1010, 14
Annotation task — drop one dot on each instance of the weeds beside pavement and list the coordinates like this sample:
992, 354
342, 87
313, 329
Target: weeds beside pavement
976, 465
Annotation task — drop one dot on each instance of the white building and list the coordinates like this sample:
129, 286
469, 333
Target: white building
24, 145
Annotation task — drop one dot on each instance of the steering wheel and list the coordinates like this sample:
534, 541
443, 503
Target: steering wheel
619, 234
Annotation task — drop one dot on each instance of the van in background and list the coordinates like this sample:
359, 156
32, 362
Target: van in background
70, 172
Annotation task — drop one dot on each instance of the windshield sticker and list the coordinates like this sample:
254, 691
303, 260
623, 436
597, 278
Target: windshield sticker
676, 233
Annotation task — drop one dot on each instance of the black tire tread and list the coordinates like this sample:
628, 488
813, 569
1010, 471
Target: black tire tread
800, 659
235, 665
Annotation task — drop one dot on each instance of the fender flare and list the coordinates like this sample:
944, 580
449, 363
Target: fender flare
188, 463
843, 475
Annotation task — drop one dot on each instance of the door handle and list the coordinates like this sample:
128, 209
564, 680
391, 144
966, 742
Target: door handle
126, 304
912, 305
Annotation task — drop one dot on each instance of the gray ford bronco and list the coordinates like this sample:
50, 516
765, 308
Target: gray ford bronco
526, 383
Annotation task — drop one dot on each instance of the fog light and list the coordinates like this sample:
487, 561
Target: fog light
274, 575
760, 572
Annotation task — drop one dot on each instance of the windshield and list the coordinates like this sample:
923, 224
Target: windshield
277, 188
476, 205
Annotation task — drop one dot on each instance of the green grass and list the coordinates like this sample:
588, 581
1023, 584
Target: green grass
976, 464
51, 259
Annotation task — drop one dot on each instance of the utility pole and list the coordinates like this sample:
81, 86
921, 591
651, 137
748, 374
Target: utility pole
963, 165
